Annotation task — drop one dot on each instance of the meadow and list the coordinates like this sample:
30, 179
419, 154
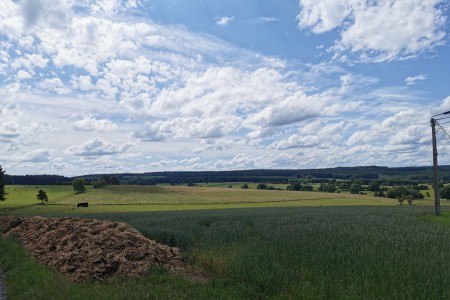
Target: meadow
374, 250
22, 199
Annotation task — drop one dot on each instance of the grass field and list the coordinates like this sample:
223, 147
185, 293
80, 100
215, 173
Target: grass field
22, 199
347, 252
320, 246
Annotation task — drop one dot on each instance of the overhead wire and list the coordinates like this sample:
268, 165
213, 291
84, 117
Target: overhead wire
442, 132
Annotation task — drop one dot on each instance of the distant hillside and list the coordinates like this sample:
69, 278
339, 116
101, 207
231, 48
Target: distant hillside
365, 174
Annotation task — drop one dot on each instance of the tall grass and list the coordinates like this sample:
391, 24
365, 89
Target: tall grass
280, 253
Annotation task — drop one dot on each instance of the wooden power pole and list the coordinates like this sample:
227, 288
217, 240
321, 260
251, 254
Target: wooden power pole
437, 200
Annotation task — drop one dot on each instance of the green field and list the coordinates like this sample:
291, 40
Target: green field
22, 199
319, 246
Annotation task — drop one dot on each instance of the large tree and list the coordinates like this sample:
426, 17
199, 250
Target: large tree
2, 186
78, 186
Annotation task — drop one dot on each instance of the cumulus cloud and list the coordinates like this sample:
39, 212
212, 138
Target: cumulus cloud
151, 133
98, 147
224, 20
23, 75
411, 135
92, 124
54, 85
377, 30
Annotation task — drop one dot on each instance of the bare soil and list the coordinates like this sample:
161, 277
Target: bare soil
89, 248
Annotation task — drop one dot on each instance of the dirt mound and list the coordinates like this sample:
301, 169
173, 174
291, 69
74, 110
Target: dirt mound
84, 248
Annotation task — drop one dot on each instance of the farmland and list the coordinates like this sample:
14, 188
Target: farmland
22, 199
271, 244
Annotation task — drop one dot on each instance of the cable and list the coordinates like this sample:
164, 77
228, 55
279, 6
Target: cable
442, 132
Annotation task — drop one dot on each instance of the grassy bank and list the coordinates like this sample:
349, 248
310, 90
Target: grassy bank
277, 253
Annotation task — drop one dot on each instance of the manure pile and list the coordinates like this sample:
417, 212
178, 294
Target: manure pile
88, 248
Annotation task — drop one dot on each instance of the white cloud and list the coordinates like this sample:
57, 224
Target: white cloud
23, 75
377, 30
92, 124
54, 85
9, 130
82, 82
30, 61
98, 147
411, 135
411, 80
268, 19
37, 156
224, 20
296, 141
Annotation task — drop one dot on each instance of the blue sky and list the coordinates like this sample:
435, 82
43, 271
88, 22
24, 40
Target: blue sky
107, 86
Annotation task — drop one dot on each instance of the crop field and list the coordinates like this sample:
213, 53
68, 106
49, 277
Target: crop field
346, 252
320, 246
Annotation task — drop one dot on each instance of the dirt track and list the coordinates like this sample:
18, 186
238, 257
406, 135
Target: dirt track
87, 248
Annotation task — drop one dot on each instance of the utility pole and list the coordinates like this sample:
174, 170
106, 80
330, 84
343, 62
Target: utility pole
437, 200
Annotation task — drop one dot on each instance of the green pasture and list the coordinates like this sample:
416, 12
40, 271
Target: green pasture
62, 199
328, 252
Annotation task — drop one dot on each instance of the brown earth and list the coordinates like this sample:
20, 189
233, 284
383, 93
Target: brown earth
88, 248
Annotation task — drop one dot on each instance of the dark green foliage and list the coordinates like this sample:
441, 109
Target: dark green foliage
327, 188
355, 188
410, 199
379, 194
420, 187
78, 185
401, 191
42, 196
262, 186
445, 192
100, 184
296, 185
2, 186
374, 186
245, 186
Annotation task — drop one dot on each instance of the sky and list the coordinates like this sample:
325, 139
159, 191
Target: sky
113, 86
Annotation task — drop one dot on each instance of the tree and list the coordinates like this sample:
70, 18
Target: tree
374, 185
42, 196
262, 186
445, 192
2, 186
245, 186
355, 188
78, 185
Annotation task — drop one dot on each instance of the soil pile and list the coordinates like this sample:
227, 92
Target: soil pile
84, 248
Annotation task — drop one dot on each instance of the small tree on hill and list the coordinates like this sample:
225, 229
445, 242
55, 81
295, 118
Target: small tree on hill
78, 186
42, 196
2, 186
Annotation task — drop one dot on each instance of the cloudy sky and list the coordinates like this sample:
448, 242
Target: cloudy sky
107, 86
